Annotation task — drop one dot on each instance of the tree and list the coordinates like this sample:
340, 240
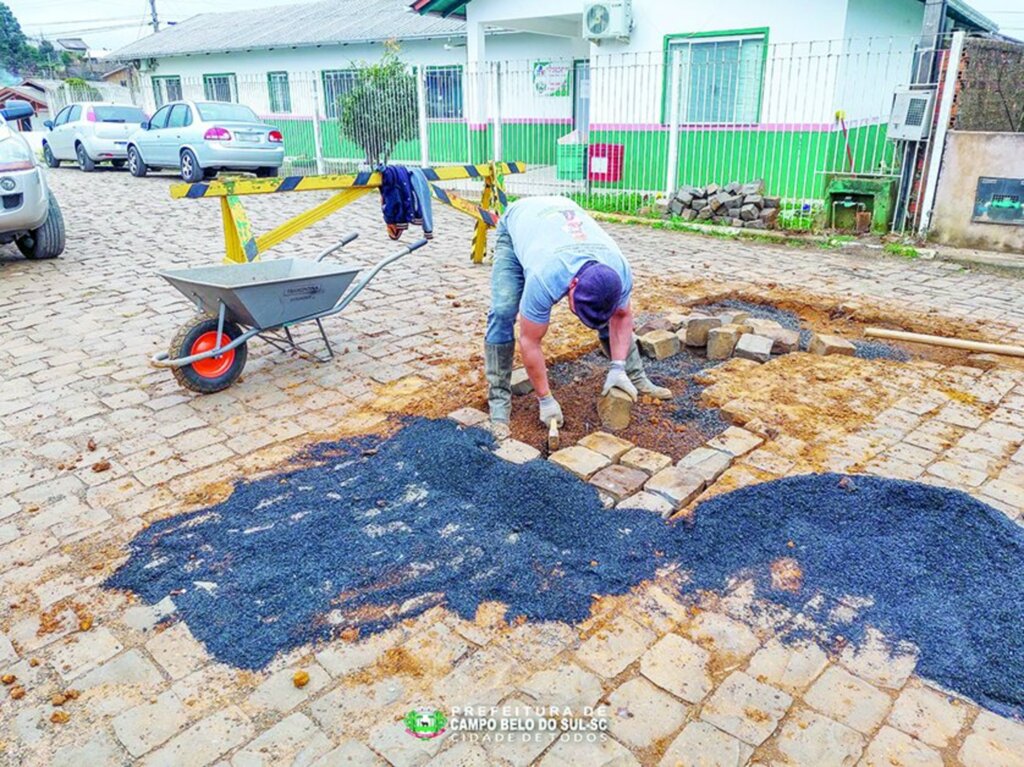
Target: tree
14, 50
379, 111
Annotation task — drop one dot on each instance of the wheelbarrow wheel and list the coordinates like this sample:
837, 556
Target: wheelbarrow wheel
214, 373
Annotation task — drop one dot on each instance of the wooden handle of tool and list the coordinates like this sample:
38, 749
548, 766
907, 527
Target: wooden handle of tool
952, 343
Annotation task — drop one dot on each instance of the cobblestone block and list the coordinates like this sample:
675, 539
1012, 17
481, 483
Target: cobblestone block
645, 460
177, 651
614, 646
204, 741
279, 693
993, 742
580, 461
753, 347
517, 452
822, 343
735, 441
645, 501
521, 382
811, 739
891, 747
619, 481
677, 486
679, 666
84, 652
697, 328
930, 716
784, 340
120, 682
852, 701
468, 416
615, 409
100, 750
659, 344
641, 714
351, 753
722, 341
606, 444
149, 724
391, 740
790, 667
564, 685
607, 753
875, 660
294, 740
707, 462
482, 679
701, 745
729, 640
745, 708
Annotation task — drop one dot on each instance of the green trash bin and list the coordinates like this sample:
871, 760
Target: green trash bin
571, 161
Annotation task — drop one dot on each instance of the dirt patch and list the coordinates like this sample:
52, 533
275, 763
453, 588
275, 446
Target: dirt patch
674, 427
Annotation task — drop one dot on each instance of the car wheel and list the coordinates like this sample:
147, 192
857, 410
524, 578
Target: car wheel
214, 373
267, 172
135, 164
85, 162
190, 170
48, 240
51, 161
117, 163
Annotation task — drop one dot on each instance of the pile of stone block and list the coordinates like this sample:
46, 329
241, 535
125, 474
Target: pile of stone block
735, 204
729, 334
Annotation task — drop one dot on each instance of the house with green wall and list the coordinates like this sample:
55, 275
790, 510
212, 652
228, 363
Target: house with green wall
637, 96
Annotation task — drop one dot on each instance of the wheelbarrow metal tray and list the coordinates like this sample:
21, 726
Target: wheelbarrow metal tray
265, 294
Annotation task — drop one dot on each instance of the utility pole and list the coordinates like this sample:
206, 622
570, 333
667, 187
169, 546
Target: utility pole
155, 23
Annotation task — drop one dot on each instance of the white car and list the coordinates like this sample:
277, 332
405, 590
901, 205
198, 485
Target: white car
29, 215
90, 133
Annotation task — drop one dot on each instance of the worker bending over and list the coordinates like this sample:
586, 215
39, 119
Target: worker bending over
548, 248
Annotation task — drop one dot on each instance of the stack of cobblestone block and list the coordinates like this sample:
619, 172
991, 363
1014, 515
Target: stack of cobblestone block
734, 204
729, 334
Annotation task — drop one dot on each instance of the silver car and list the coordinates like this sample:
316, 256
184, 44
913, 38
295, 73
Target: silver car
200, 138
29, 214
91, 133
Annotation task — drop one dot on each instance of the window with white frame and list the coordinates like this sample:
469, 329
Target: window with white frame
280, 92
220, 87
443, 87
337, 84
720, 77
166, 88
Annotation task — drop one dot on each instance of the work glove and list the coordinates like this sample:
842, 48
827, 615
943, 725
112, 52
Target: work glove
618, 379
549, 408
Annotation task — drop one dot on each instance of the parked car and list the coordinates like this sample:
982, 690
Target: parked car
91, 133
200, 138
29, 215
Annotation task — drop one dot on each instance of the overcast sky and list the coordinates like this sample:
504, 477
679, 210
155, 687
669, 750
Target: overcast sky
114, 23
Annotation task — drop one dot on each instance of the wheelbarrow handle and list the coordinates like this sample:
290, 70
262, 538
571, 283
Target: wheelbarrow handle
353, 292
338, 245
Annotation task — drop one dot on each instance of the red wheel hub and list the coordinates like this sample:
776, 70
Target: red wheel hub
212, 367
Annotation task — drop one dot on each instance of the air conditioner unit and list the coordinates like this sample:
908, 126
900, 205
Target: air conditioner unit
608, 20
911, 118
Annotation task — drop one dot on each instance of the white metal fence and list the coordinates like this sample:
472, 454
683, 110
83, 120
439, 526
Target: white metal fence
618, 129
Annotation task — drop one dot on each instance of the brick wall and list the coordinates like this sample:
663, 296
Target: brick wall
990, 88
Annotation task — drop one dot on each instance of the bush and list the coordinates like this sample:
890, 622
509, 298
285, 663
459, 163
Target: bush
381, 108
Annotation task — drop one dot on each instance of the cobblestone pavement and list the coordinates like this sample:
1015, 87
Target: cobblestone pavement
94, 444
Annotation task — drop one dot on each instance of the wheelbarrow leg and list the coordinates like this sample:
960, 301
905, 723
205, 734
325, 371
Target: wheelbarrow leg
327, 343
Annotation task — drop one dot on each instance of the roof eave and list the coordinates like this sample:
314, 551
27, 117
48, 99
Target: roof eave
964, 13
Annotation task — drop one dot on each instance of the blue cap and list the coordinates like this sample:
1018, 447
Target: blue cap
597, 294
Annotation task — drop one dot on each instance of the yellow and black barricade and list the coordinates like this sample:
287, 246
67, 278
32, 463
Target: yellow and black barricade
242, 244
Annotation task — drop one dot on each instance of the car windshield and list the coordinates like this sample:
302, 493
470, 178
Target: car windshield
219, 111
119, 114
14, 153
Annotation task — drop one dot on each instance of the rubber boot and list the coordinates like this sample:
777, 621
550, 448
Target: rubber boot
635, 371
498, 370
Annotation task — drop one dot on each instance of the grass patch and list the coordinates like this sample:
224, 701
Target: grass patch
903, 251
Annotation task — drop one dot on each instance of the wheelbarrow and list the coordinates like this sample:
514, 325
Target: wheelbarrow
261, 298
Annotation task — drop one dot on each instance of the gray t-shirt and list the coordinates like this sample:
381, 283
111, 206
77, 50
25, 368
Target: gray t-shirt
553, 237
